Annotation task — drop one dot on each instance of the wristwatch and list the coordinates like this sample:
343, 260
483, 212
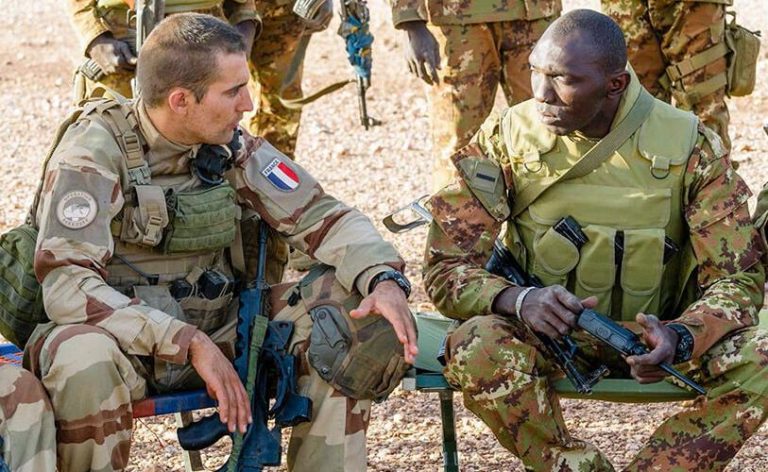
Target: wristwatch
395, 276
684, 349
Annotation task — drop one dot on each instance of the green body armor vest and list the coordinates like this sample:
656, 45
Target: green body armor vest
626, 208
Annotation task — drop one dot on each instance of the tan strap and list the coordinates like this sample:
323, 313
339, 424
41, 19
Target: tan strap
153, 212
693, 94
594, 157
680, 69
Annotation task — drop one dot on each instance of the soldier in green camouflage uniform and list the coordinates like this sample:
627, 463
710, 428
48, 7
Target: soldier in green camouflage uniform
26, 422
107, 37
662, 39
110, 253
484, 46
650, 191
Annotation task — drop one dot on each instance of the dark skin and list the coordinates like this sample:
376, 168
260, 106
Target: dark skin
575, 92
422, 53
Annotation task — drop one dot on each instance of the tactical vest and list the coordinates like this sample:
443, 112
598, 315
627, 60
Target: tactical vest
627, 208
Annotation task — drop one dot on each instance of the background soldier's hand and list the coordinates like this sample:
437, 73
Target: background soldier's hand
422, 53
553, 310
662, 341
321, 20
388, 300
221, 381
111, 54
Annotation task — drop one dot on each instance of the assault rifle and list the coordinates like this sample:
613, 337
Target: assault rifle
268, 371
565, 351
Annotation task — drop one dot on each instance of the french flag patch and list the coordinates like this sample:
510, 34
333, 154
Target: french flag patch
281, 176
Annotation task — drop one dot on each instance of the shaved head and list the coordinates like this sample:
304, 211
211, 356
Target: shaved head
602, 36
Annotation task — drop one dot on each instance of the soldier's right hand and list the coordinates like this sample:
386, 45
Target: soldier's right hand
221, 381
422, 53
111, 54
553, 310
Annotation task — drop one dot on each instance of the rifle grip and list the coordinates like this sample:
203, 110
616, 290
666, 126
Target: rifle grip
202, 433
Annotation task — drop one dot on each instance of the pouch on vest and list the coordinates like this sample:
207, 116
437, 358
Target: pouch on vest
596, 271
642, 269
144, 224
21, 297
361, 358
555, 257
201, 220
744, 51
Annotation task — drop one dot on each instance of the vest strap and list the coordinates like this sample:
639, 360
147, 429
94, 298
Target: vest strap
680, 69
594, 157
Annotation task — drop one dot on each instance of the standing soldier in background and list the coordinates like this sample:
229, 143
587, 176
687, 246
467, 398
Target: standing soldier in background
678, 50
483, 46
27, 430
108, 37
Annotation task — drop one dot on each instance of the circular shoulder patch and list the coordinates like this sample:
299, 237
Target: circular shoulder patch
77, 209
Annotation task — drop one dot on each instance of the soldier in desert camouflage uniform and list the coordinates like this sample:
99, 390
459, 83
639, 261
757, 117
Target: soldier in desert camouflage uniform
26, 422
484, 46
111, 254
705, 296
678, 50
107, 37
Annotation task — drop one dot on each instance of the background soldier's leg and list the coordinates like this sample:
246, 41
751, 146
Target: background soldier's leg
707, 435
504, 382
643, 47
271, 59
465, 95
517, 39
26, 422
91, 384
687, 29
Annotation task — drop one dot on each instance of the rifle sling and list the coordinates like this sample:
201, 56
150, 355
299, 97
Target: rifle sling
594, 157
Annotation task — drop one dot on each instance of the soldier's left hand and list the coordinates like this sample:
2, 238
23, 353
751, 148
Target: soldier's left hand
388, 300
662, 341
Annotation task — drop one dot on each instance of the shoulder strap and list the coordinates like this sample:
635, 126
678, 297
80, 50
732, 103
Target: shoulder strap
594, 157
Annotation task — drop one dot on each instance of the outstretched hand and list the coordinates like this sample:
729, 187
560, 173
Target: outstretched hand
221, 381
422, 53
662, 341
388, 300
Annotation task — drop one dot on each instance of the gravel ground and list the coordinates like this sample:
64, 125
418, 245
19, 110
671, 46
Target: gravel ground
377, 171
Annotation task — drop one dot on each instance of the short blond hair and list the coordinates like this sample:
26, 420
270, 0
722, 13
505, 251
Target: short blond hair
181, 52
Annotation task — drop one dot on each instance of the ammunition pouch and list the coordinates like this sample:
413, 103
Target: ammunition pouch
201, 219
744, 46
361, 358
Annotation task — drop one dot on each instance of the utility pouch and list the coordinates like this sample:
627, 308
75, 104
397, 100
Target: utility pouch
596, 272
201, 219
642, 269
554, 257
144, 224
21, 298
744, 51
160, 298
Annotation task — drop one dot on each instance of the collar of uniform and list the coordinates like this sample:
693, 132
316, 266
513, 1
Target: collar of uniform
163, 156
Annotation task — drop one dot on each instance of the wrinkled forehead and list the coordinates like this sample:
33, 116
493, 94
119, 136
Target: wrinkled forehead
565, 54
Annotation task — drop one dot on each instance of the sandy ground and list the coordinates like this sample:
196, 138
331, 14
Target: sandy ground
377, 171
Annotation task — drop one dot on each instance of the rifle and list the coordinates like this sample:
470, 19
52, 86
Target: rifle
565, 351
262, 360
3, 466
146, 13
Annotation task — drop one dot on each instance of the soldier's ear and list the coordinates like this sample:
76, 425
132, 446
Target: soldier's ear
618, 83
179, 100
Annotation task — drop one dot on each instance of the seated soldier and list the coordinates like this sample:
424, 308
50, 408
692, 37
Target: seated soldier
138, 219
670, 183
27, 432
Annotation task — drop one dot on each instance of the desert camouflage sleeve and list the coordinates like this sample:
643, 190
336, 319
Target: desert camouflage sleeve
725, 244
290, 200
404, 11
75, 243
85, 21
461, 237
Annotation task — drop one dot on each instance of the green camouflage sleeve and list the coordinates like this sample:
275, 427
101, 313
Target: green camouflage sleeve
404, 11
725, 245
85, 21
81, 195
461, 237
293, 202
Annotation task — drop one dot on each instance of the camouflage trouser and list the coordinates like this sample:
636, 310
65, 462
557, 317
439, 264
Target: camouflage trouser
505, 380
661, 33
26, 422
95, 423
475, 60
116, 21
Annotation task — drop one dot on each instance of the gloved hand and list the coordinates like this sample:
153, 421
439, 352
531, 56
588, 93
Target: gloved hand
320, 19
111, 54
422, 53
